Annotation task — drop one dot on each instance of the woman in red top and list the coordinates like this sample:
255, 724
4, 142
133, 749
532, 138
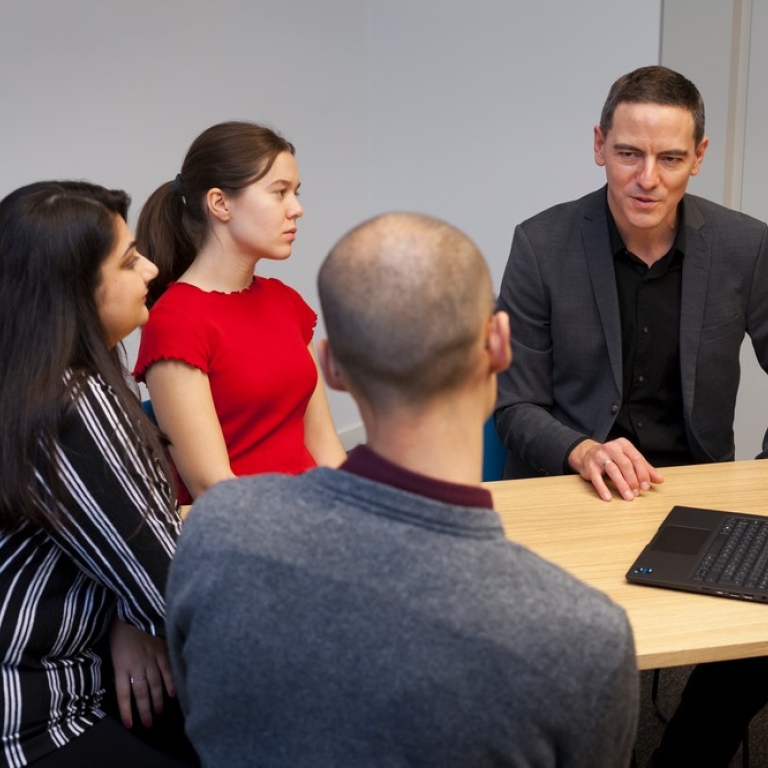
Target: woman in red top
226, 355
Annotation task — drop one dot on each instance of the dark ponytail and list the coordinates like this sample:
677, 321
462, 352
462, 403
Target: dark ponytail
162, 237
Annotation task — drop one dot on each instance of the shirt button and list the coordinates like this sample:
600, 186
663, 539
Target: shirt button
641, 378
645, 329
639, 424
614, 408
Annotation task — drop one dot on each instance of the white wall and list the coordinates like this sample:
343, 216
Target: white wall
480, 112
115, 93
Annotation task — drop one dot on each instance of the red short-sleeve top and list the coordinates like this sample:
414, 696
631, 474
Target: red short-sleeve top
253, 346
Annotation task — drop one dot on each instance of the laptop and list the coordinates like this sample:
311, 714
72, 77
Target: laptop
707, 551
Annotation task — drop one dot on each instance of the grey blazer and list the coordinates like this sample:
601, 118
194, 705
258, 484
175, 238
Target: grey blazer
559, 289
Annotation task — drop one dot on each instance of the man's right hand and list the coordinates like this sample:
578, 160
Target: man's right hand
617, 460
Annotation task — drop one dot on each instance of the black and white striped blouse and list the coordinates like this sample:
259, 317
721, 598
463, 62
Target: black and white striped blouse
60, 588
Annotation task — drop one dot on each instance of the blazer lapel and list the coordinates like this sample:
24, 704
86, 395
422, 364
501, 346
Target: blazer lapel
696, 266
597, 250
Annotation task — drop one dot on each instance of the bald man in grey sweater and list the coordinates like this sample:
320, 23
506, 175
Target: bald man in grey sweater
375, 614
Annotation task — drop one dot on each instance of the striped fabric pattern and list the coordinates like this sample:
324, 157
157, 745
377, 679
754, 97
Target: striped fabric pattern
60, 588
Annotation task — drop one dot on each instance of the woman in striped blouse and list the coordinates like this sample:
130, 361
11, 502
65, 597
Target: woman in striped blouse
88, 524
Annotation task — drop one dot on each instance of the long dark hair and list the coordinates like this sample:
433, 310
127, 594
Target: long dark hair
173, 223
54, 237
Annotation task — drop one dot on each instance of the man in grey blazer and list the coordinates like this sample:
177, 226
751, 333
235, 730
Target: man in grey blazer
629, 306
628, 309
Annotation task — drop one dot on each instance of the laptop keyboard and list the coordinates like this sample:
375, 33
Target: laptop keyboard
738, 556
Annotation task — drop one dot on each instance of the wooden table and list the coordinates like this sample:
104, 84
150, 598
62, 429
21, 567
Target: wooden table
563, 520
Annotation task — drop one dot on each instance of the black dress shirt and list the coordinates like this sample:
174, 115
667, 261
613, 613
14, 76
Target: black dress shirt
651, 413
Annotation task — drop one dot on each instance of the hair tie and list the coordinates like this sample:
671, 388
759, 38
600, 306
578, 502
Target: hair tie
177, 186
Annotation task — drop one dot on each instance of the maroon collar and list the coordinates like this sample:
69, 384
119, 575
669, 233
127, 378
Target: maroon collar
366, 463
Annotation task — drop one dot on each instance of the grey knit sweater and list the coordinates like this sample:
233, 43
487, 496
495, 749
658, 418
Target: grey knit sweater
329, 620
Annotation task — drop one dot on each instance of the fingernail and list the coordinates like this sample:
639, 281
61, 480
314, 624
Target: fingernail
628, 495
646, 486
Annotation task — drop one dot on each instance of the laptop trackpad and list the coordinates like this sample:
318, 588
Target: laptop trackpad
681, 540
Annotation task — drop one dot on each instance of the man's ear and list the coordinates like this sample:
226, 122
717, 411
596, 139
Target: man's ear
699, 156
599, 146
499, 344
329, 366
217, 204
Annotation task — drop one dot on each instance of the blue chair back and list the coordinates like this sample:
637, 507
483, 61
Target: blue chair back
149, 410
494, 453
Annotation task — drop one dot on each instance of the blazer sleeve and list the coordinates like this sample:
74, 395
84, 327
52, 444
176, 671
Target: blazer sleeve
523, 414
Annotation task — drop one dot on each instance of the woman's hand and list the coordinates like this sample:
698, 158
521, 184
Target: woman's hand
142, 669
